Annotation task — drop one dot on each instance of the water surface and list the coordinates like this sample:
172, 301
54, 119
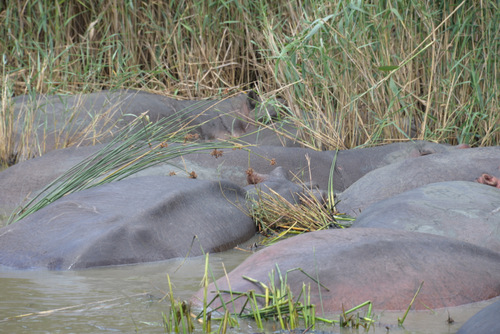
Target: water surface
128, 299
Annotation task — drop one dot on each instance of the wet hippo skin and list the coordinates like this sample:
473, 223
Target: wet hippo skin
381, 265
483, 322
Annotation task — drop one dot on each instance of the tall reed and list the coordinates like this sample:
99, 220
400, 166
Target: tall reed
352, 72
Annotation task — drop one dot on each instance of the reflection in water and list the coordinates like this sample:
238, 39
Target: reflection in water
126, 299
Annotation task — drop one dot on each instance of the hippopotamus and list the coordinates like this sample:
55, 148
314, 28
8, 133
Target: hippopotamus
383, 266
24, 180
310, 166
463, 210
136, 220
483, 322
65, 120
301, 164
276, 182
392, 179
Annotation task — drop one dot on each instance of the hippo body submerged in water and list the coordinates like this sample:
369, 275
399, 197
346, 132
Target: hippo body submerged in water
483, 322
381, 265
131, 221
96, 228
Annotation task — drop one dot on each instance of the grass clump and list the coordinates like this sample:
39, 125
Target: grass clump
277, 308
178, 319
278, 218
277, 305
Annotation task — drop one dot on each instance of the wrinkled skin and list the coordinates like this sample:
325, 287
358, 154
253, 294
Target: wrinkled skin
393, 179
381, 265
483, 322
232, 166
461, 210
130, 221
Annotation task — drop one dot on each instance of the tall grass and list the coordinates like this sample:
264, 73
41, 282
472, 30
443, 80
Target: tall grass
352, 72
366, 73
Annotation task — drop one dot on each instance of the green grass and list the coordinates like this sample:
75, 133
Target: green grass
140, 145
277, 305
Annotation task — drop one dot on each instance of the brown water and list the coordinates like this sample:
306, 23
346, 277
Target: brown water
127, 299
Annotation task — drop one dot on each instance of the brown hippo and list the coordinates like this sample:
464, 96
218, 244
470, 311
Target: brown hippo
462, 210
381, 265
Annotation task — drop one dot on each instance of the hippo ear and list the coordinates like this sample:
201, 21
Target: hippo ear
253, 99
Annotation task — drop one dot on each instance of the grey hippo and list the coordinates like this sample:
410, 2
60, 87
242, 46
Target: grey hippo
130, 221
387, 181
463, 210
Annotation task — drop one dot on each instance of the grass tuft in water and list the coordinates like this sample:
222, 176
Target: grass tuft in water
279, 305
178, 319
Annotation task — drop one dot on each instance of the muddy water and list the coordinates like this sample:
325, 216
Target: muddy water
128, 299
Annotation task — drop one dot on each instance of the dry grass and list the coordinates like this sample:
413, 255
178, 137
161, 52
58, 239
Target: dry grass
392, 71
352, 73
277, 218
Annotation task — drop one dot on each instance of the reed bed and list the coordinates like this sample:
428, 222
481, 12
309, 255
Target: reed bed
352, 73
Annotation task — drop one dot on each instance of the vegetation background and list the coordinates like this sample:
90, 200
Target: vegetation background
352, 73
